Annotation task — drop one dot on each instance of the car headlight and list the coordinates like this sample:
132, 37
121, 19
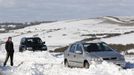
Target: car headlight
97, 59
121, 58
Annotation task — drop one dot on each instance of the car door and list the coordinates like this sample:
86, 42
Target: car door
71, 55
78, 57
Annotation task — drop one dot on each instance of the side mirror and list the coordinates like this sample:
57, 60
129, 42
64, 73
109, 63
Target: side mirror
78, 52
44, 42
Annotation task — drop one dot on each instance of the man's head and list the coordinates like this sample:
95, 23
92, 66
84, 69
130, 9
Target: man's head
9, 38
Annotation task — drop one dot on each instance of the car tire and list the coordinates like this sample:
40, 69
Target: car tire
66, 64
22, 49
86, 65
44, 50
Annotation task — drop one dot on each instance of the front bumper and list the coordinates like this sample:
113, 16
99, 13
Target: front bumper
121, 63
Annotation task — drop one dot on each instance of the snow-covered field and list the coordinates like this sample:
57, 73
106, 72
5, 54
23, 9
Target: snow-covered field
123, 39
45, 63
60, 34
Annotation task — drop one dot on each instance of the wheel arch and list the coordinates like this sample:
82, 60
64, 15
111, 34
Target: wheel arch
85, 61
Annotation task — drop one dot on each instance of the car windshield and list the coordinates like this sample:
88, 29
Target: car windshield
33, 41
95, 47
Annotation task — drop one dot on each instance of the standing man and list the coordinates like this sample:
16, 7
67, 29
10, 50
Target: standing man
10, 51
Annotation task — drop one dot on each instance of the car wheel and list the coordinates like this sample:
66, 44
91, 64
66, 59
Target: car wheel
86, 65
66, 64
44, 50
20, 50
23, 49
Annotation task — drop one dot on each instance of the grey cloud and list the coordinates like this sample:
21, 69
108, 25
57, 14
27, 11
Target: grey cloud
28, 10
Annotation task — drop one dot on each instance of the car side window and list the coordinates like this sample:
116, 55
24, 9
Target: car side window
79, 48
72, 48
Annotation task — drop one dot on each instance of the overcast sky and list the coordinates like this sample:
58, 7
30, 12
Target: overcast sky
32, 10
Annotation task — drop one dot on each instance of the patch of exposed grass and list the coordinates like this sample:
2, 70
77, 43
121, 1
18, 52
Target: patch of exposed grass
62, 49
118, 47
121, 47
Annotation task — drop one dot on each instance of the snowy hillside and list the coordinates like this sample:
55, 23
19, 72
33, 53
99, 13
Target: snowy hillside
62, 33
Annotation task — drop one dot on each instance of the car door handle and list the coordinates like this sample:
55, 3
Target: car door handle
67, 54
74, 55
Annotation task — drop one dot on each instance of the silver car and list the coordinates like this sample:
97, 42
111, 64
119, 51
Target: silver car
83, 54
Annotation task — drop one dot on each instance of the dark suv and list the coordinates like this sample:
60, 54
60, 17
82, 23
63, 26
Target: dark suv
32, 44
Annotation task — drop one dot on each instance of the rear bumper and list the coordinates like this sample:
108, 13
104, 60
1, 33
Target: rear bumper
37, 49
44, 47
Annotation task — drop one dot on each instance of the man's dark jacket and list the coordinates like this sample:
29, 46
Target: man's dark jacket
9, 46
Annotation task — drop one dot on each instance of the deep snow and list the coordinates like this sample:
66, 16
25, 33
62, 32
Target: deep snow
44, 63
60, 34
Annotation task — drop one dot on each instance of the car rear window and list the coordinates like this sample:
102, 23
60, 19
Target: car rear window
33, 40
